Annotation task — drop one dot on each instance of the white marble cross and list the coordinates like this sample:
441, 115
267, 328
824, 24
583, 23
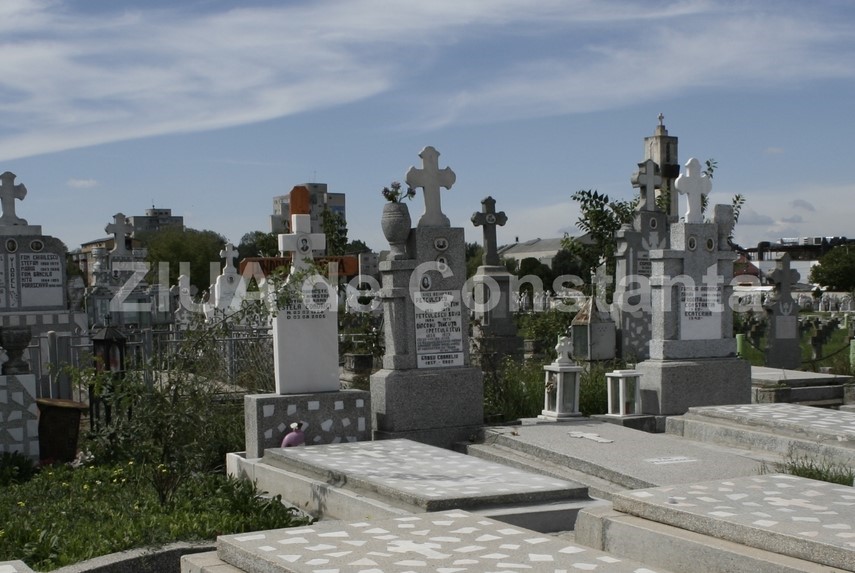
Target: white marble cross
695, 185
230, 255
647, 179
431, 178
8, 193
589, 436
119, 228
301, 242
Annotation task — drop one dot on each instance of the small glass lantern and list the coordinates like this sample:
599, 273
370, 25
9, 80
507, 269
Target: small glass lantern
624, 392
562, 378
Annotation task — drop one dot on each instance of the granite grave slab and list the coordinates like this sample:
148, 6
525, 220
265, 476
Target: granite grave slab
454, 541
422, 476
628, 458
784, 514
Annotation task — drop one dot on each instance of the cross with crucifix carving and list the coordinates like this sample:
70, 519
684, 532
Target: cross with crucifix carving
301, 242
8, 193
783, 278
488, 218
230, 255
119, 228
431, 178
647, 180
694, 184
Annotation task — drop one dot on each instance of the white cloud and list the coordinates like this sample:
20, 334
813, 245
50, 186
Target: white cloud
82, 183
773, 151
749, 216
802, 204
76, 79
792, 219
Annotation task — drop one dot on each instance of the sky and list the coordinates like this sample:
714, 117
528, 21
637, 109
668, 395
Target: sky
212, 108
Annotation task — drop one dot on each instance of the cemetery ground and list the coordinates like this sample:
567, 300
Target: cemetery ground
155, 476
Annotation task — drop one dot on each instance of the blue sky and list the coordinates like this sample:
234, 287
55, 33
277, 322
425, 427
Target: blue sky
211, 108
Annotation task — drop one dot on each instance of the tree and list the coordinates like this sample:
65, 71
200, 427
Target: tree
529, 267
335, 229
566, 263
836, 269
175, 245
258, 244
599, 218
356, 247
474, 258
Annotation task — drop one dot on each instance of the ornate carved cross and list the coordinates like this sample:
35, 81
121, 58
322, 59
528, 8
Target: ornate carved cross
431, 178
119, 228
695, 185
488, 218
783, 277
8, 193
230, 255
647, 180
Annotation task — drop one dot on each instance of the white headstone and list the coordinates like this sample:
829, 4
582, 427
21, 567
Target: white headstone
120, 229
305, 333
227, 283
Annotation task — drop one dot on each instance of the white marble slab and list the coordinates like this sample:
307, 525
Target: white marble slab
821, 423
793, 516
447, 542
425, 476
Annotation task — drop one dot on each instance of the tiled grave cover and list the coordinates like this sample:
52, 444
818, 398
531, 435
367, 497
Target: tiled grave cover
821, 422
794, 516
448, 542
426, 476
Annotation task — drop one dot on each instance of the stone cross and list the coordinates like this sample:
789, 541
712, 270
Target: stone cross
588, 436
230, 255
431, 178
119, 228
301, 242
647, 180
695, 185
8, 193
784, 277
488, 218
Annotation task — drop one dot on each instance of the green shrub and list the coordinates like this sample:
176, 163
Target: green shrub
66, 515
15, 468
513, 390
544, 328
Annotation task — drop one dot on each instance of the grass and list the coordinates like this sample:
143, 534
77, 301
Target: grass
63, 515
822, 469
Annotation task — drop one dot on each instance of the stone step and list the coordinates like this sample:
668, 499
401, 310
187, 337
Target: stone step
676, 549
14, 567
781, 429
443, 541
206, 563
788, 515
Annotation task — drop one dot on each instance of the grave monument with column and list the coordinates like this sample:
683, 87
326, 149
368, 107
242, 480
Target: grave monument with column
427, 391
693, 359
305, 355
494, 332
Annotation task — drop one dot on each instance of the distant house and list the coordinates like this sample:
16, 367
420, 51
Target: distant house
544, 250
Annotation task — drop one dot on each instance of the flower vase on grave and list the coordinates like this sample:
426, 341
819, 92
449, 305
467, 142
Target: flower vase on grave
14, 341
396, 228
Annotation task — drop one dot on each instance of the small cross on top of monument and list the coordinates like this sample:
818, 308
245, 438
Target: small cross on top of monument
488, 218
8, 193
431, 178
783, 278
230, 254
301, 242
119, 228
695, 184
647, 180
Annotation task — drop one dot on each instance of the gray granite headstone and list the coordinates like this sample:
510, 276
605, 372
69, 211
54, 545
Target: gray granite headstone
783, 343
427, 391
693, 358
494, 332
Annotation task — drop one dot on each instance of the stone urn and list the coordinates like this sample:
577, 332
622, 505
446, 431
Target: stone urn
396, 227
14, 340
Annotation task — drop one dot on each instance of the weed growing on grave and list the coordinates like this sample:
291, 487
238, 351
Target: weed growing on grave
822, 469
544, 328
513, 390
15, 468
593, 394
66, 515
